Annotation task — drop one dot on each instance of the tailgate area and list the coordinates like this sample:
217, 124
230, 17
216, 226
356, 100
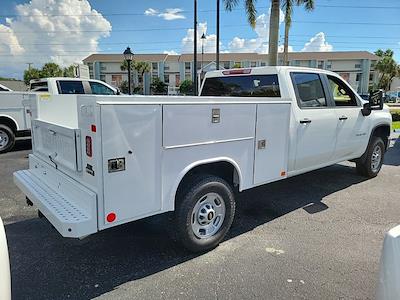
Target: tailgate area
69, 206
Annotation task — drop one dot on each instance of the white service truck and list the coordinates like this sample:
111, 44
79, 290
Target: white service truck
15, 110
102, 161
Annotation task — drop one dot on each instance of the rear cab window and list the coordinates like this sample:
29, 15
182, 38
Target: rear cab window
70, 87
242, 86
100, 89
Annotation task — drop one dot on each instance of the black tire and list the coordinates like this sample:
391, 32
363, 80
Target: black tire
10, 136
365, 164
194, 191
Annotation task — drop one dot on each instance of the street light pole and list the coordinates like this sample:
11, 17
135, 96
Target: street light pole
195, 49
217, 52
128, 55
203, 38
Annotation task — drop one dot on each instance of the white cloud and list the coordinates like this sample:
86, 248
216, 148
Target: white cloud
209, 43
168, 14
37, 36
150, 12
317, 43
170, 52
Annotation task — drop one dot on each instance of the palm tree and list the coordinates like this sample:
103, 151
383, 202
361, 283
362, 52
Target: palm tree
140, 67
287, 7
250, 6
387, 67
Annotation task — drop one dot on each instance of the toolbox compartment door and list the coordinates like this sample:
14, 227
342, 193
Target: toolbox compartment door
271, 145
59, 146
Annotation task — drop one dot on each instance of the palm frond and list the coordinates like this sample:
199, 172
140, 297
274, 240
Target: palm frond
251, 12
230, 4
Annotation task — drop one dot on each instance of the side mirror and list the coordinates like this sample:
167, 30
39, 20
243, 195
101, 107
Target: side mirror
118, 91
375, 102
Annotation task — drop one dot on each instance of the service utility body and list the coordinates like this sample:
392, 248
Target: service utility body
101, 161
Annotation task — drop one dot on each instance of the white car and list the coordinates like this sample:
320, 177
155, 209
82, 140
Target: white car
102, 161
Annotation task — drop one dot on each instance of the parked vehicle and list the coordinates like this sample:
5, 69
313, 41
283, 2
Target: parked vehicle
102, 161
64, 85
15, 111
4, 88
15, 118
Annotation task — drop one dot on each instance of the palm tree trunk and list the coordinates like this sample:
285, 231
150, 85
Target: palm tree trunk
273, 33
286, 46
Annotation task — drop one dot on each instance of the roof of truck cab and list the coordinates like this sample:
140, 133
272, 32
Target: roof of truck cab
264, 71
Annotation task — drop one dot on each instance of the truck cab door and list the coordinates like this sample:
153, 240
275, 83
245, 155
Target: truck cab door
352, 126
315, 122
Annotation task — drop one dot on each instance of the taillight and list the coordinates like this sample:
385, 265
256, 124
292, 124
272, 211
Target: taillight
89, 151
236, 71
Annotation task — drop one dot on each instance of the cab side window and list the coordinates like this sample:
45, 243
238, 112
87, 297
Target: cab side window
341, 93
309, 90
100, 89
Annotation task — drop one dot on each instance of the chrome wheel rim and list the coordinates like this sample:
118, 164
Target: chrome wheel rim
208, 215
376, 158
3, 139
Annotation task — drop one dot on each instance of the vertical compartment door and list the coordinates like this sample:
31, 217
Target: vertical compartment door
131, 146
271, 149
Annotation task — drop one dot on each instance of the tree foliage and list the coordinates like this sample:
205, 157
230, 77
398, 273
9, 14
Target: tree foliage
158, 87
387, 68
186, 87
48, 70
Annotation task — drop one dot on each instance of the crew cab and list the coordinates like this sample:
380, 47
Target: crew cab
66, 85
15, 111
101, 161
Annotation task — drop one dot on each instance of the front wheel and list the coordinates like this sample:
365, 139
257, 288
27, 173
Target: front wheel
204, 213
373, 160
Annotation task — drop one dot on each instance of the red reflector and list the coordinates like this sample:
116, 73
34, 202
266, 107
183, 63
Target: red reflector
236, 71
89, 146
93, 128
111, 217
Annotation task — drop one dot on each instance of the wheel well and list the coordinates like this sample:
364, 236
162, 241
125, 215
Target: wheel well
223, 169
9, 123
382, 131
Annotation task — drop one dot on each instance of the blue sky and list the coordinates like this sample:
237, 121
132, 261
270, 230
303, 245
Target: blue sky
342, 25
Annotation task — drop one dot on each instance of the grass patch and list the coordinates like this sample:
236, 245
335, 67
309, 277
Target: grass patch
396, 125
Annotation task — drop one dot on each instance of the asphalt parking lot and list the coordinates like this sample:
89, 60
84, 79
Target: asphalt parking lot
314, 236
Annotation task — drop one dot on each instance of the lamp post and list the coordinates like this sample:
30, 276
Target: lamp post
128, 55
203, 38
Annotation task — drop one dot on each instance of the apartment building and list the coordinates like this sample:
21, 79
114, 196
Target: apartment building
357, 67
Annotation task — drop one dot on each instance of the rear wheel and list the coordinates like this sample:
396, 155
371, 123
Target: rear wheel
204, 213
372, 161
7, 138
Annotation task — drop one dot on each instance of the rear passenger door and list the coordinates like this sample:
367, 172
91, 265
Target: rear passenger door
315, 121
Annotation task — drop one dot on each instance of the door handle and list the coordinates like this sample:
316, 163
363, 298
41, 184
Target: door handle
305, 121
342, 118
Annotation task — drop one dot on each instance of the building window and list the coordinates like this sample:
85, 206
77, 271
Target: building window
166, 78
263, 64
154, 66
329, 65
296, 63
103, 78
253, 64
357, 66
103, 68
371, 76
320, 64
187, 66
358, 77
166, 67
227, 64
188, 77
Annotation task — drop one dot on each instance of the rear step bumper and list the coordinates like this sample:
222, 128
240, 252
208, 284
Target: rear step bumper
70, 208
